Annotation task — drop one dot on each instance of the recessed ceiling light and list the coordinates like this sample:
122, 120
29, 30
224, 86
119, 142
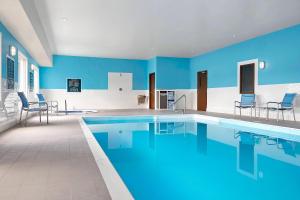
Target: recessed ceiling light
64, 19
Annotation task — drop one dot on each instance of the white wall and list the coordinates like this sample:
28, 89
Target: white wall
221, 100
112, 98
96, 99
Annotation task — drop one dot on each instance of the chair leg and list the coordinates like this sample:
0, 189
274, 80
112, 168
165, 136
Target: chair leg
47, 116
294, 114
282, 115
267, 114
240, 112
251, 112
26, 118
40, 116
21, 115
277, 115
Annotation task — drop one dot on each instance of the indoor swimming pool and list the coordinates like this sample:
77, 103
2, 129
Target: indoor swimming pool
188, 158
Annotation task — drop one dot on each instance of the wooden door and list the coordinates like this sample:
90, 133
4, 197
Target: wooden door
152, 91
247, 79
202, 91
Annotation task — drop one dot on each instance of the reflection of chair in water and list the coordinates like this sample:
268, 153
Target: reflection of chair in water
289, 147
247, 137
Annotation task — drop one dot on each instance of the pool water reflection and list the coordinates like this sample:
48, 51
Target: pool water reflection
190, 160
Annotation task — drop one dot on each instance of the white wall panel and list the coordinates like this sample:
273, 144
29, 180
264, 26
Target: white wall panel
119, 80
221, 100
96, 99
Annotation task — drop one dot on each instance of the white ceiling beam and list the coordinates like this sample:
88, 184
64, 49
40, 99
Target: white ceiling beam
21, 19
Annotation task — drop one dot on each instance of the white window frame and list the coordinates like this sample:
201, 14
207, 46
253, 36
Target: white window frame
246, 62
23, 72
36, 79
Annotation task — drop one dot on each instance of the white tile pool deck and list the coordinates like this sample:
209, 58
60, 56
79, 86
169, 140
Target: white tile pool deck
54, 161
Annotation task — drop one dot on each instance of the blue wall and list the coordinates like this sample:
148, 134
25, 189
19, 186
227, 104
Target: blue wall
152, 65
280, 50
92, 71
7, 40
172, 73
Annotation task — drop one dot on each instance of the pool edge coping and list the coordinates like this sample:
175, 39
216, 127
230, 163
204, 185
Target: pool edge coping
114, 183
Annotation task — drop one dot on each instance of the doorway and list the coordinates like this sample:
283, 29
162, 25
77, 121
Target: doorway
152, 91
247, 78
202, 91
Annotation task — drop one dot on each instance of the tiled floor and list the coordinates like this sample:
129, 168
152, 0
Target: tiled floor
54, 161
49, 162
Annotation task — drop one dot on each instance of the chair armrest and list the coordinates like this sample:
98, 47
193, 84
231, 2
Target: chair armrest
43, 104
33, 103
237, 102
53, 103
273, 102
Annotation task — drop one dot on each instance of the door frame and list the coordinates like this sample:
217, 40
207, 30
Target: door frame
247, 62
154, 95
200, 72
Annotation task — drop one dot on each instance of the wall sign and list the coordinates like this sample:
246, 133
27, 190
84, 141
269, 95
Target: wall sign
73, 85
10, 73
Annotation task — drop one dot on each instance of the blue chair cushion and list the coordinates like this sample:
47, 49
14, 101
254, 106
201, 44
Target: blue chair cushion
288, 100
247, 100
25, 103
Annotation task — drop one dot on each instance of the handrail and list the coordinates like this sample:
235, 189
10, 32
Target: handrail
181, 97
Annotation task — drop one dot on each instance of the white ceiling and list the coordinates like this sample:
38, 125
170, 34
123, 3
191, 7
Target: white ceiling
142, 29
23, 21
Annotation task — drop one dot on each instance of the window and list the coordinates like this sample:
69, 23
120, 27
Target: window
1, 81
247, 78
10, 73
36, 81
23, 74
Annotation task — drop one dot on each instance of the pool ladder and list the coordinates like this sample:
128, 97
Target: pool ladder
178, 100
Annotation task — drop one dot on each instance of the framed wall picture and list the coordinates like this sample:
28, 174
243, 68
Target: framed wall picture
73, 85
10, 73
31, 81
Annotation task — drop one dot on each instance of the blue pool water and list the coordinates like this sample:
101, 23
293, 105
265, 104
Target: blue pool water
195, 160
